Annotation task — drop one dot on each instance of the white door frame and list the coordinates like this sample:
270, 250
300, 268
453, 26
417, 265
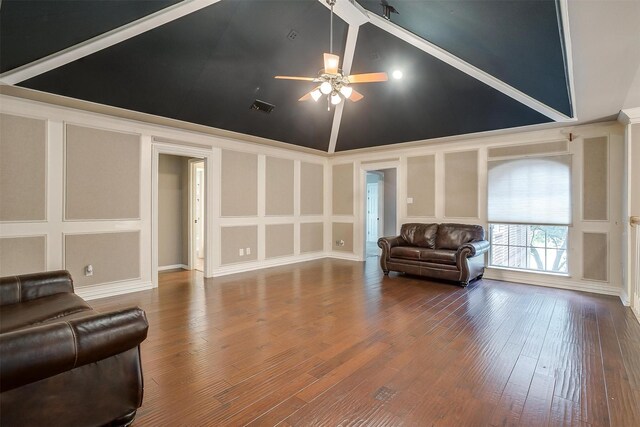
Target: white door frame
158, 148
361, 225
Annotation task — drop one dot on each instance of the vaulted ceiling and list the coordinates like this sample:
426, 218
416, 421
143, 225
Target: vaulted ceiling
468, 66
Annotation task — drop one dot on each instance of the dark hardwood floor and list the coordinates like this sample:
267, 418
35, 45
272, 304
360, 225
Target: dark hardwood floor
335, 343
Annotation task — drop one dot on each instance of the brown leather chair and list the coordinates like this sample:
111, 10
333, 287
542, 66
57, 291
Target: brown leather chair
61, 362
453, 252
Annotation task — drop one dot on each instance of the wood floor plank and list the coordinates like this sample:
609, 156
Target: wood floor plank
333, 342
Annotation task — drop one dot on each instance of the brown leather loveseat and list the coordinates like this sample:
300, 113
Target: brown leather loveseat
439, 251
61, 362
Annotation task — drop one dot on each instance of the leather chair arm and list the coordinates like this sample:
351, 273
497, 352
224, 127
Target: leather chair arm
386, 243
36, 353
472, 249
15, 289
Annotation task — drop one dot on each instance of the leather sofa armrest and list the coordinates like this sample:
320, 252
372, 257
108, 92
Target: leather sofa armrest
33, 354
472, 249
386, 243
15, 289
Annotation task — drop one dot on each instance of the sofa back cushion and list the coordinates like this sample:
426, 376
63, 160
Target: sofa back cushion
422, 235
452, 236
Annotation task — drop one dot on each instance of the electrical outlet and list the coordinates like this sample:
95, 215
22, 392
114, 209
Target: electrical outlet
241, 252
339, 242
409, 200
88, 270
248, 251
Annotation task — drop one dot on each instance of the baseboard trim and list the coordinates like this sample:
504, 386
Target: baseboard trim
555, 282
173, 267
346, 256
112, 289
273, 262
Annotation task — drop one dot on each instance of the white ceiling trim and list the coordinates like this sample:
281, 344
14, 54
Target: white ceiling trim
347, 61
103, 41
564, 17
467, 68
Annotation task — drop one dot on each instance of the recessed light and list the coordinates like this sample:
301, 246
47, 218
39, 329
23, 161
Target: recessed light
397, 74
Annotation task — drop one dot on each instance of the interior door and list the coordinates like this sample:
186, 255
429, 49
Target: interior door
373, 218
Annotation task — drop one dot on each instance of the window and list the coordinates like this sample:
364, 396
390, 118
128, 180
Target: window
529, 247
529, 211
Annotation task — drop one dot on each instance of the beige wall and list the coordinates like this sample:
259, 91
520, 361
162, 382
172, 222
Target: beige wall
279, 186
311, 237
595, 256
311, 189
342, 231
114, 256
461, 184
23, 157
595, 201
102, 178
235, 238
21, 255
390, 202
173, 210
421, 185
278, 240
239, 185
343, 189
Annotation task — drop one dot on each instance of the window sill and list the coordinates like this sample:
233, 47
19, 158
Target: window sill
522, 270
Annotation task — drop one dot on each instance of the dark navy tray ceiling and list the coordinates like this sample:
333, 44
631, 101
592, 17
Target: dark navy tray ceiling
30, 30
432, 100
209, 66
519, 41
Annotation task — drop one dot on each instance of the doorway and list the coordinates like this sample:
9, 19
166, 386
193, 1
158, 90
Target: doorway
380, 208
196, 209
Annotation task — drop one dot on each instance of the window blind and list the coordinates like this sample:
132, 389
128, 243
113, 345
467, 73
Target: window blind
535, 190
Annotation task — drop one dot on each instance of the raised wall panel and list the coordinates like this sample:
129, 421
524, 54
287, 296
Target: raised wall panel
595, 181
21, 255
114, 257
595, 256
311, 237
279, 186
311, 189
529, 149
342, 231
421, 185
461, 184
102, 174
343, 189
239, 186
278, 240
235, 238
23, 157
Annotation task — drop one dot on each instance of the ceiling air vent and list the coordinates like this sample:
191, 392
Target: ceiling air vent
265, 107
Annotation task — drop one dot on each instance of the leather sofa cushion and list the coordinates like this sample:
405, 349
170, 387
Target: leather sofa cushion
27, 313
422, 235
452, 236
440, 256
437, 256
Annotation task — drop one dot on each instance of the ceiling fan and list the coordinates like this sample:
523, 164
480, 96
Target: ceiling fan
332, 81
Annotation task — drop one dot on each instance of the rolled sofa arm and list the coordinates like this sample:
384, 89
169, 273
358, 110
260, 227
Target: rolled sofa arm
33, 354
386, 243
472, 249
15, 289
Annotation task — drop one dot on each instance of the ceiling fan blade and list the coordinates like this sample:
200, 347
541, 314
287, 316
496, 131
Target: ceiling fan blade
368, 78
331, 62
305, 97
356, 96
306, 79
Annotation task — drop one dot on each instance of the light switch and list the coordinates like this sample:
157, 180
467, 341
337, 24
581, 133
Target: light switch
409, 200
241, 252
248, 251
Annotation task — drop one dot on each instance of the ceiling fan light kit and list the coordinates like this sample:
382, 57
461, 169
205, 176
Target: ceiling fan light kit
334, 84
